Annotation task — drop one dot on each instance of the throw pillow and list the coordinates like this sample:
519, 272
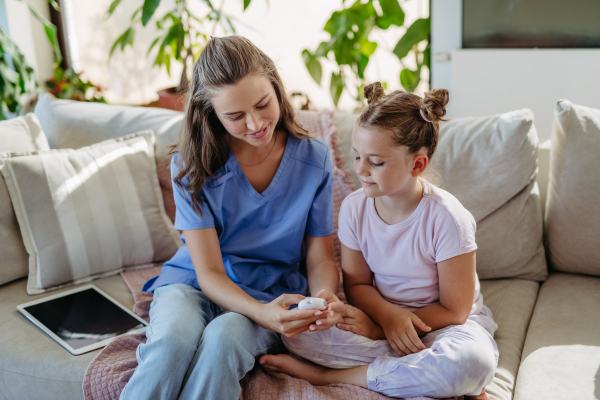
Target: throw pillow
572, 211
74, 124
89, 213
490, 165
17, 134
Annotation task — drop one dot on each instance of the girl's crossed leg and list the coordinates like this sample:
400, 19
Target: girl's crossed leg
459, 360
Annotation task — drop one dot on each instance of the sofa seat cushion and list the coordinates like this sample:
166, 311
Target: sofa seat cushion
561, 357
512, 302
32, 364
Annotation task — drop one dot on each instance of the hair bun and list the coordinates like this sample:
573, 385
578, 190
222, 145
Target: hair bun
434, 104
373, 92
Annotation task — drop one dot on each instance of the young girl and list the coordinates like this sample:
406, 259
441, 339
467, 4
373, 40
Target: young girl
419, 327
254, 201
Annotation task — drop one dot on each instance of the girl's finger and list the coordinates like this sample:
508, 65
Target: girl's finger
409, 344
299, 315
346, 327
412, 335
402, 346
419, 324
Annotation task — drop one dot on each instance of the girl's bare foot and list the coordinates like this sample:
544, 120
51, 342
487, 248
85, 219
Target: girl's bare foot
292, 366
482, 396
313, 373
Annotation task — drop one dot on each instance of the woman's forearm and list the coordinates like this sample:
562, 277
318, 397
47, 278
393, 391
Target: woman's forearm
219, 288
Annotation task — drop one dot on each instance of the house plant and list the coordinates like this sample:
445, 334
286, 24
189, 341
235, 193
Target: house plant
350, 48
181, 37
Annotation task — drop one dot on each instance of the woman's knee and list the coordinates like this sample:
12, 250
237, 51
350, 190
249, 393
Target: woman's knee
177, 318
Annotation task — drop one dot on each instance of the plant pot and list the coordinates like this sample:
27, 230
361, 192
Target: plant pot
169, 98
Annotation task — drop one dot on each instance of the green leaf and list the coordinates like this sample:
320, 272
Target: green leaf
415, 33
148, 10
54, 5
336, 87
392, 14
313, 65
367, 48
152, 45
427, 57
246, 4
112, 7
128, 38
136, 13
361, 65
50, 33
409, 79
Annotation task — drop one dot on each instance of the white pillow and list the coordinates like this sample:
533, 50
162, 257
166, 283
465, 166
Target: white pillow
490, 165
17, 134
89, 213
74, 124
572, 207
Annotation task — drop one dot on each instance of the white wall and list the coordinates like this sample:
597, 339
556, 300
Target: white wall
281, 28
492, 81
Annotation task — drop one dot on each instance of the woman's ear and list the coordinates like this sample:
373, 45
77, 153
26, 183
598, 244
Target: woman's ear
420, 162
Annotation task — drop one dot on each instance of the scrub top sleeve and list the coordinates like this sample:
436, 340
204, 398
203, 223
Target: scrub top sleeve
320, 215
186, 218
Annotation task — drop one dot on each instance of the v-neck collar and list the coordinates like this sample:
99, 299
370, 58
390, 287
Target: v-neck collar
290, 147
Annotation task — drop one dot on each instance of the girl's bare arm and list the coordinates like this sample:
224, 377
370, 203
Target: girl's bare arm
457, 290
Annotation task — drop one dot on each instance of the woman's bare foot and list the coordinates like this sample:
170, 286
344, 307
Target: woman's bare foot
313, 373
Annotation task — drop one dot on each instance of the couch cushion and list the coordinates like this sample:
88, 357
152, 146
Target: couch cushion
17, 134
512, 302
489, 164
572, 209
90, 212
74, 124
32, 365
561, 357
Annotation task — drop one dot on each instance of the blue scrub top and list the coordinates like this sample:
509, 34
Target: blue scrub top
261, 234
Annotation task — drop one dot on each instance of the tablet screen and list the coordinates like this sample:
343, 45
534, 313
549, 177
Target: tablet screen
83, 318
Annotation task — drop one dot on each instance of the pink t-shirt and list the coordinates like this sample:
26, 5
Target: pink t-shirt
404, 256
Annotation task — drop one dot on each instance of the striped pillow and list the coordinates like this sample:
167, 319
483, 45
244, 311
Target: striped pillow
89, 213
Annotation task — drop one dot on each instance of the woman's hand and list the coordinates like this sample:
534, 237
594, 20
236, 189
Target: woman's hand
400, 331
356, 321
275, 316
332, 315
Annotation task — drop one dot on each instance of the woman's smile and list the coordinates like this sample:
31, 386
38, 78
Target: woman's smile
260, 134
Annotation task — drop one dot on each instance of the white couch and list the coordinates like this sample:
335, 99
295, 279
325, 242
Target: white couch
548, 331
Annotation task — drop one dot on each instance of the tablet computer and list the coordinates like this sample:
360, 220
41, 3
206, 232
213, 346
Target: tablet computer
82, 319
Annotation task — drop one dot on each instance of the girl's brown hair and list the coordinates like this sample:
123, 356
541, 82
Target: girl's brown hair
203, 141
400, 113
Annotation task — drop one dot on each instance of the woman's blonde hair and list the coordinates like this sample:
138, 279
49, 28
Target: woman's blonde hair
203, 141
412, 120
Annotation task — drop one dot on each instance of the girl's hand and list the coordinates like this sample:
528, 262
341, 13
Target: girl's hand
400, 331
356, 321
275, 316
332, 315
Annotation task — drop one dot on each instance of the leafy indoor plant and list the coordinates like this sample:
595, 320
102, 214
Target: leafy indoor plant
349, 44
181, 36
18, 84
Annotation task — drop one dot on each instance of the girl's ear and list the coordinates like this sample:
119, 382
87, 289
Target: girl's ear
420, 163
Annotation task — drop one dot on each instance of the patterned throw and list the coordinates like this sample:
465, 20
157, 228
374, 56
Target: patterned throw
111, 369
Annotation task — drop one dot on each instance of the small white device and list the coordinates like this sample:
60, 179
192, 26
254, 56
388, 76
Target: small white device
312, 303
82, 319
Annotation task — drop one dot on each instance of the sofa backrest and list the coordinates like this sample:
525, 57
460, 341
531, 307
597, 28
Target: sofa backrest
73, 124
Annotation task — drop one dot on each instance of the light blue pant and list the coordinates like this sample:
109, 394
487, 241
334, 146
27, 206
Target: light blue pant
192, 352
459, 359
